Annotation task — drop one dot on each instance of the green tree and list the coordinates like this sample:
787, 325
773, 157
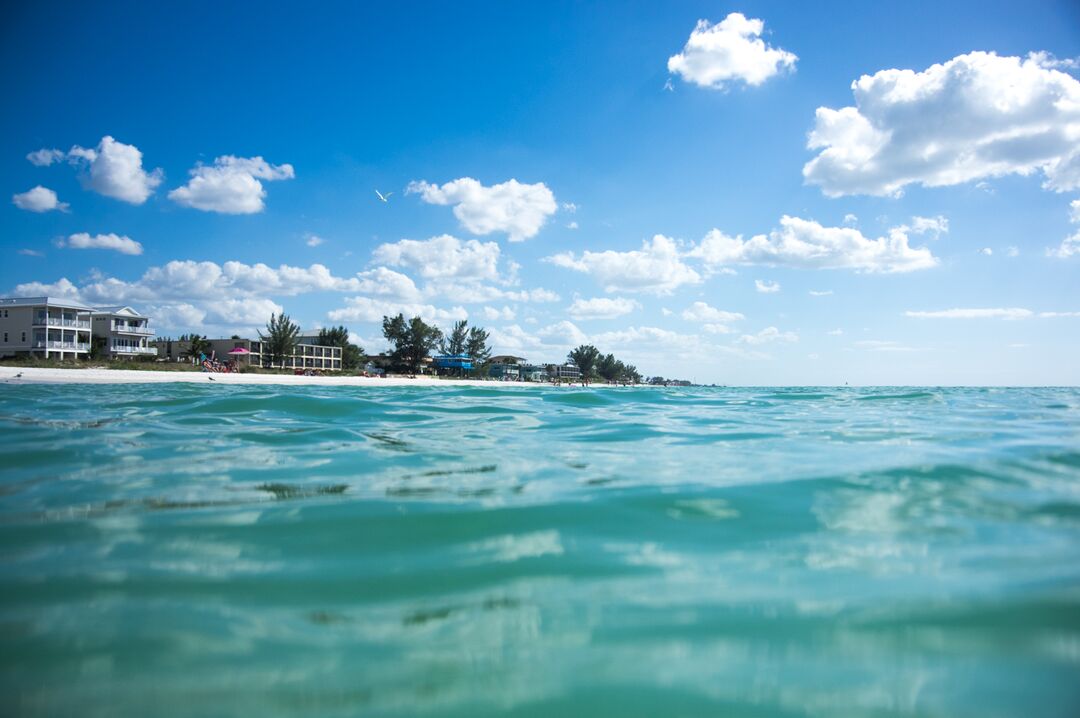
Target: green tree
455, 343
608, 367
585, 358
351, 354
477, 347
198, 344
413, 340
280, 339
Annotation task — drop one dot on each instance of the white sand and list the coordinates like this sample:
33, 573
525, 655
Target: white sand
127, 376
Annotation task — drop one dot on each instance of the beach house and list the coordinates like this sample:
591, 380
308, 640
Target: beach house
46, 327
250, 352
122, 332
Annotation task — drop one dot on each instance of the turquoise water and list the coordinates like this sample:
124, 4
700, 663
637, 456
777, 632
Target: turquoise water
189, 550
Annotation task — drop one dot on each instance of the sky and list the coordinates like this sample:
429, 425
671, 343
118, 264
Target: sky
762, 193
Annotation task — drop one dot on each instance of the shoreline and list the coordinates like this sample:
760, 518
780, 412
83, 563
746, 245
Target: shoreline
43, 375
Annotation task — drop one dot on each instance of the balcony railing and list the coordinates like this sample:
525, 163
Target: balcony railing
41, 319
124, 349
131, 328
69, 346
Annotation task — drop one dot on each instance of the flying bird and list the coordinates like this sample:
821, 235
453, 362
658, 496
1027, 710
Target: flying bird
383, 197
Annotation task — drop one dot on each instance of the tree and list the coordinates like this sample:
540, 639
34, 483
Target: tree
455, 343
198, 344
280, 339
585, 358
351, 354
413, 340
609, 368
477, 347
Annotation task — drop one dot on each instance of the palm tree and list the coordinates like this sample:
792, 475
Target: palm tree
585, 358
280, 339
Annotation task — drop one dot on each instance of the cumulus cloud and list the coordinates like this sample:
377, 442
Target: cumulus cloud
766, 287
45, 157
225, 296
934, 226
602, 308
443, 257
769, 335
729, 51
974, 117
231, 185
702, 312
373, 309
1070, 246
112, 169
493, 314
656, 268
39, 199
517, 209
123, 245
806, 244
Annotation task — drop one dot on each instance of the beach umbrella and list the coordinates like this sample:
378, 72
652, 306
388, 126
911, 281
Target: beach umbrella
240, 350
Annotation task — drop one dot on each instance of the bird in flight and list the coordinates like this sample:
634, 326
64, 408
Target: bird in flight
383, 197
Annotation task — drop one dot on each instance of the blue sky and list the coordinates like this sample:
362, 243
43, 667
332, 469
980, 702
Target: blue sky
568, 172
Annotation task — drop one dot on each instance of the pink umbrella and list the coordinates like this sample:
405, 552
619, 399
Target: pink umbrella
239, 350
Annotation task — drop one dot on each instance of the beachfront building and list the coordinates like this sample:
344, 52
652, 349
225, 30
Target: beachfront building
249, 352
563, 372
123, 333
453, 363
45, 327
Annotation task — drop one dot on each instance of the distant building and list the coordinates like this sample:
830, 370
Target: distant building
123, 332
306, 356
568, 372
46, 327
452, 363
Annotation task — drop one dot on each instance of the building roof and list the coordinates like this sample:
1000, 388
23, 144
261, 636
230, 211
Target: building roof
120, 309
40, 301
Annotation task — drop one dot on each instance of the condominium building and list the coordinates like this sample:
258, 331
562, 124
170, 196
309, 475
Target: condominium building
249, 352
123, 332
46, 327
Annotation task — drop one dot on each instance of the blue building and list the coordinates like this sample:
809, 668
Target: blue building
446, 362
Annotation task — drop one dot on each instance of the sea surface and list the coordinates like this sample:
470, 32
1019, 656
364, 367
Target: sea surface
190, 550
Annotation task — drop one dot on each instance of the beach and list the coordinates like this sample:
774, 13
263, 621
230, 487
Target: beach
34, 375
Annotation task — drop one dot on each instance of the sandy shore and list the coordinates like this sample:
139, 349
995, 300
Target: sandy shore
124, 376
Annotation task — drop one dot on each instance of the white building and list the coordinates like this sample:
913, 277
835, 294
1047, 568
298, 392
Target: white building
45, 327
125, 333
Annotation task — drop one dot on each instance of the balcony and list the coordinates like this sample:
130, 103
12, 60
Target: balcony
51, 321
124, 349
131, 329
66, 346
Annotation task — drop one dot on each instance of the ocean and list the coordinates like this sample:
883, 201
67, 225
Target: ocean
191, 550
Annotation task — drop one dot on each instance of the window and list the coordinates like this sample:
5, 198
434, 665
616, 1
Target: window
24, 337
5, 337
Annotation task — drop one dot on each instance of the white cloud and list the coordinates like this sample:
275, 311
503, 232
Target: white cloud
935, 226
986, 251
443, 257
231, 185
123, 245
562, 334
974, 117
1070, 246
114, 170
569, 207
572, 225
731, 50
994, 313
1053, 315
31, 253
1012, 251
766, 287
368, 309
656, 268
835, 332
769, 335
39, 199
45, 157
388, 284
878, 345
821, 293
61, 288
702, 312
314, 240
505, 314
850, 219
518, 209
806, 244
602, 308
